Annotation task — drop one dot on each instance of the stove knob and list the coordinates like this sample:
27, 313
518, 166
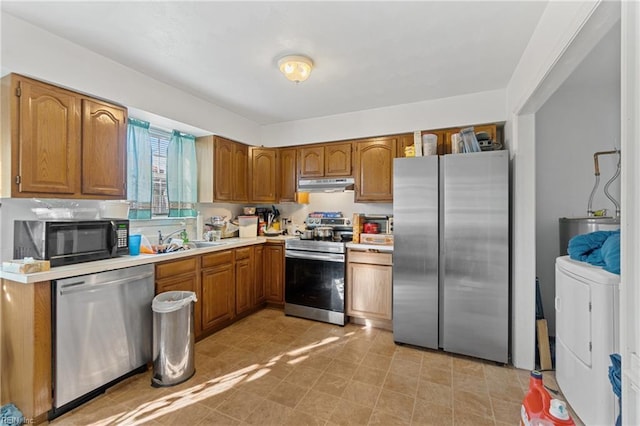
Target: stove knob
348, 222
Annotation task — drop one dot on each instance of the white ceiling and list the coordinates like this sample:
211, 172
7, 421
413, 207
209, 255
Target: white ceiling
367, 54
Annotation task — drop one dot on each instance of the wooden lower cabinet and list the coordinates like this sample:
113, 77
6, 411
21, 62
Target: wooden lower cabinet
218, 289
26, 348
244, 280
181, 275
274, 268
369, 285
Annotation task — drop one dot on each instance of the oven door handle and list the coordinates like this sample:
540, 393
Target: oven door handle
329, 257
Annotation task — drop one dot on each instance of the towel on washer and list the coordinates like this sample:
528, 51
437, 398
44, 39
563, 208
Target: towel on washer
11, 415
600, 248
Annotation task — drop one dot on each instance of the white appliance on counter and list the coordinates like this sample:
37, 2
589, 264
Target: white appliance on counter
587, 331
451, 253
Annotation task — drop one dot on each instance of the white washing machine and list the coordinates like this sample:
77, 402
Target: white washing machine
587, 331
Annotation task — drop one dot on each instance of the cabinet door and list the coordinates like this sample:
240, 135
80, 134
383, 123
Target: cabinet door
218, 295
263, 175
48, 156
337, 157
311, 161
404, 140
240, 172
374, 169
274, 272
223, 169
369, 291
244, 285
104, 150
288, 178
259, 295
184, 282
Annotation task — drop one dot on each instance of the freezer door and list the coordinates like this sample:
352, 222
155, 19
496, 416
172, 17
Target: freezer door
415, 253
474, 254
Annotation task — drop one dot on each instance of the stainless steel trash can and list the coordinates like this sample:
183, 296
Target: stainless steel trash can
173, 338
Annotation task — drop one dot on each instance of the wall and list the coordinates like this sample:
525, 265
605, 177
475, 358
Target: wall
29, 50
582, 117
475, 108
332, 202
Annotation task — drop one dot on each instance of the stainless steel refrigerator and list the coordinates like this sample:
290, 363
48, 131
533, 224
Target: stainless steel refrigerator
451, 253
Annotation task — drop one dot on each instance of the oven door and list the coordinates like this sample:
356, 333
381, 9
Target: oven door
82, 241
315, 280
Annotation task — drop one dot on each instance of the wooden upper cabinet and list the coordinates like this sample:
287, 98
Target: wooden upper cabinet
404, 140
264, 174
492, 129
234, 167
327, 160
240, 173
311, 161
288, 177
374, 169
104, 136
61, 143
230, 170
223, 169
337, 159
47, 140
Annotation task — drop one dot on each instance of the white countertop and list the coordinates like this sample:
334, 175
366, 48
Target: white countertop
378, 247
128, 261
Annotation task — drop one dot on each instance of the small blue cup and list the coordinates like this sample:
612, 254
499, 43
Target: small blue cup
134, 244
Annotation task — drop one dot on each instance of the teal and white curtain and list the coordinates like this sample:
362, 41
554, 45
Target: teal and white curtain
182, 183
139, 165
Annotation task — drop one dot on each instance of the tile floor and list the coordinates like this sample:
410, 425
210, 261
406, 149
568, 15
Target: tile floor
269, 369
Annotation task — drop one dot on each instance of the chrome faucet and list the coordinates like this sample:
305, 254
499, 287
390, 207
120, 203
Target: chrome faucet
161, 238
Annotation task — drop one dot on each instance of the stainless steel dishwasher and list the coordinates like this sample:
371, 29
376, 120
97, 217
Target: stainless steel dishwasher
102, 332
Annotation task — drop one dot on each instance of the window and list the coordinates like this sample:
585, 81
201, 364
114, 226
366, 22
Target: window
159, 201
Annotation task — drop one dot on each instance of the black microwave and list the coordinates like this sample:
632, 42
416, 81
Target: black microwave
65, 242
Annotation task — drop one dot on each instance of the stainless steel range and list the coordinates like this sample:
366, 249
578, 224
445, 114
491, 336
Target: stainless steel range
315, 274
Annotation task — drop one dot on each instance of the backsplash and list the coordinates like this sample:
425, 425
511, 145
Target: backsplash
332, 202
20, 209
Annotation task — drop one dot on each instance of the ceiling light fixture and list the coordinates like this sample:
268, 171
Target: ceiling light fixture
296, 68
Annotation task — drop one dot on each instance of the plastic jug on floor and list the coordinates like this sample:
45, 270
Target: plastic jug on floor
539, 409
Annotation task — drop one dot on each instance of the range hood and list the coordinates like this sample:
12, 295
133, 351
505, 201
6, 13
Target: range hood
325, 185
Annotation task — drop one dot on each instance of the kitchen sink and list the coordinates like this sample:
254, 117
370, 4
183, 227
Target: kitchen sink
203, 244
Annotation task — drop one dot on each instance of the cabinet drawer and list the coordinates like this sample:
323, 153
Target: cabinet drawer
218, 258
177, 267
243, 253
370, 257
